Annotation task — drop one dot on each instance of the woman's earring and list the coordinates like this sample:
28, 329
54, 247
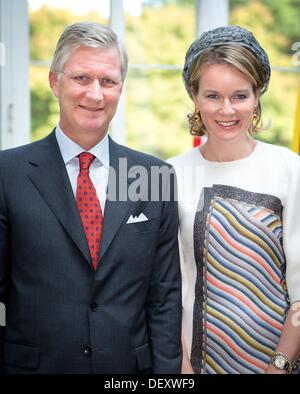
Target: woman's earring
254, 121
195, 122
254, 116
197, 116
253, 126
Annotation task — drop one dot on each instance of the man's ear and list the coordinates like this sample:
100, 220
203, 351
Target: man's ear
53, 82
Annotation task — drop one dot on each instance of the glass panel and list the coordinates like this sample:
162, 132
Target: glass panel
276, 26
48, 19
157, 103
279, 108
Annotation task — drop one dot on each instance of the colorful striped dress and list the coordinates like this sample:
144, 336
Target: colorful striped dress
240, 270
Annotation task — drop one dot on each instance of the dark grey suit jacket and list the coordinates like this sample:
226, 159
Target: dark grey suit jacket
61, 316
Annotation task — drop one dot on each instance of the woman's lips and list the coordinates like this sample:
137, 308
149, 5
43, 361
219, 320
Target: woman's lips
228, 124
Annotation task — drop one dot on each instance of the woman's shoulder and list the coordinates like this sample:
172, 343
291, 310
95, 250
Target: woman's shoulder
277, 149
277, 153
189, 157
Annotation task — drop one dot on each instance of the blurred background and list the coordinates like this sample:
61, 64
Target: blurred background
157, 34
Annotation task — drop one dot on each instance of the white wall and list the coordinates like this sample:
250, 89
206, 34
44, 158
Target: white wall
117, 23
211, 14
14, 74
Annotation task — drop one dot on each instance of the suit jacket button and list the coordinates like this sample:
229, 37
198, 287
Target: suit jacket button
94, 306
87, 351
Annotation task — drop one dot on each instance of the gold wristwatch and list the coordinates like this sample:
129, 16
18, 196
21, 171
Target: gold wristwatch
281, 361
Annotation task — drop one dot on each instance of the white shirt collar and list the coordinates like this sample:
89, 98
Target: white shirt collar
69, 149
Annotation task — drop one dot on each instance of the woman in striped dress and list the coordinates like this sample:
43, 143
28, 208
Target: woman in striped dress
239, 218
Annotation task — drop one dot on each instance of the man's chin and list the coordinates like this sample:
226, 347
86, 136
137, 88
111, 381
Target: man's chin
93, 128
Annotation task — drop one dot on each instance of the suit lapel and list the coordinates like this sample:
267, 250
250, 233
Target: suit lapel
51, 179
115, 208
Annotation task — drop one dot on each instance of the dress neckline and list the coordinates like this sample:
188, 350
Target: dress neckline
231, 162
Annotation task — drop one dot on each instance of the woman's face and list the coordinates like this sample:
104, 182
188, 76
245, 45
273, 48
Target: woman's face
226, 101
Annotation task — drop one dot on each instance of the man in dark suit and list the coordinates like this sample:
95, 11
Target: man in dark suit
89, 266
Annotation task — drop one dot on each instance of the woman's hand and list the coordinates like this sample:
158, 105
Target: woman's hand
271, 370
186, 366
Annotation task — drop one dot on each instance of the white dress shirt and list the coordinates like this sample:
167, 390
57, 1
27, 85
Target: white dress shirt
99, 168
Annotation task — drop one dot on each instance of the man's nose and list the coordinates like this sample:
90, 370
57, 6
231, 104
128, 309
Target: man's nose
95, 90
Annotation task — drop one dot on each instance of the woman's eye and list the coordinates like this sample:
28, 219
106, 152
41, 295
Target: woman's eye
212, 96
240, 96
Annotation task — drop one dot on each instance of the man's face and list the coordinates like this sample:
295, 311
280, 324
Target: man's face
87, 105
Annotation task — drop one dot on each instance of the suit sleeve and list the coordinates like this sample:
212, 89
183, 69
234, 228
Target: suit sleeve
164, 296
4, 244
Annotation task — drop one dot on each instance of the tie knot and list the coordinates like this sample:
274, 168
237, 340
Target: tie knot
85, 160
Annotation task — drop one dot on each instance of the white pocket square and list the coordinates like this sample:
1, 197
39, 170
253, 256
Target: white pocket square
136, 219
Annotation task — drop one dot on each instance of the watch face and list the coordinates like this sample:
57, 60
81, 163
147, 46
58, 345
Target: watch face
279, 362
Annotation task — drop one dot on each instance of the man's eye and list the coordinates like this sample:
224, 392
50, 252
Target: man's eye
82, 79
108, 83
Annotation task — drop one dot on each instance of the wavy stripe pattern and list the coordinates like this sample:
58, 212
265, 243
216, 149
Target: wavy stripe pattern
244, 301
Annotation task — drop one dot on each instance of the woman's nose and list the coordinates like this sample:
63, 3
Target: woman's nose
227, 108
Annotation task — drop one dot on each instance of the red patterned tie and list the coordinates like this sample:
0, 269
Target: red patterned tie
89, 206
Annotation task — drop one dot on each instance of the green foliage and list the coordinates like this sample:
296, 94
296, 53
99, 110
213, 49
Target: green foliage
44, 107
279, 102
161, 3
286, 14
157, 103
46, 25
